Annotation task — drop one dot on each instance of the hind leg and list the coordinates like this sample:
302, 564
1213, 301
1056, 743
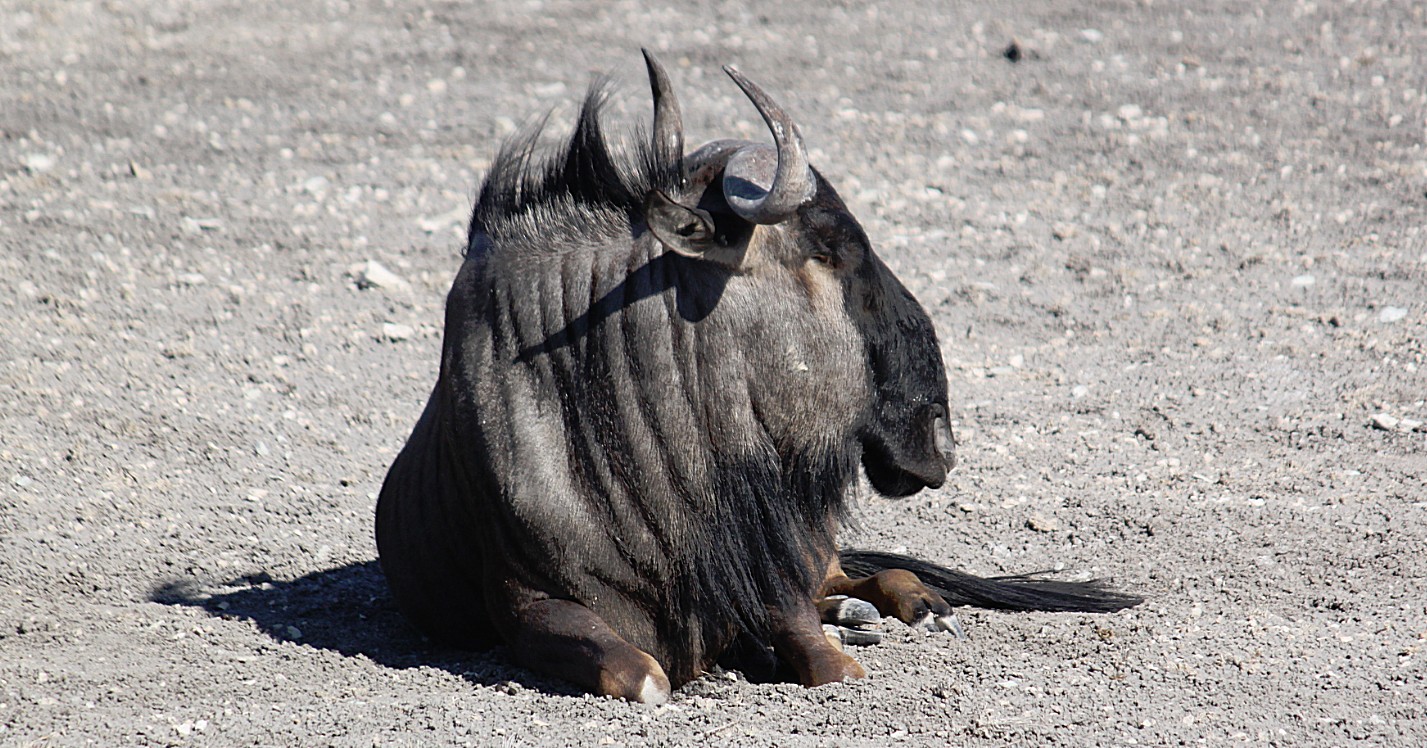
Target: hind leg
434, 573
895, 592
569, 641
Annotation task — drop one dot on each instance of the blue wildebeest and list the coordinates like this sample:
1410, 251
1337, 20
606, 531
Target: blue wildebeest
659, 376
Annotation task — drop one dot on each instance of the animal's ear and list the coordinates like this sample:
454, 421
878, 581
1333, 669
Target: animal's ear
688, 231
691, 232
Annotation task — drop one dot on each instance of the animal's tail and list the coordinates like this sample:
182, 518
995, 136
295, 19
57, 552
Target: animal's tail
1018, 592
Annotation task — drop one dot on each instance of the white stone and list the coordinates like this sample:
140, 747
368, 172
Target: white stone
392, 331
1391, 314
39, 163
373, 274
1384, 421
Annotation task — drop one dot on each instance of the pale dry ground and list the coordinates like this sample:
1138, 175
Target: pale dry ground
1176, 254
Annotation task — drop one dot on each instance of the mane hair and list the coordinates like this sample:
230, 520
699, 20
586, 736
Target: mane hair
756, 550
588, 186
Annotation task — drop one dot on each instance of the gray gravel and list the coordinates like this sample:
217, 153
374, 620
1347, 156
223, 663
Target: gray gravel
1176, 252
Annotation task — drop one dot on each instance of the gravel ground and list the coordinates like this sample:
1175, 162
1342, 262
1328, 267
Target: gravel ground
1176, 252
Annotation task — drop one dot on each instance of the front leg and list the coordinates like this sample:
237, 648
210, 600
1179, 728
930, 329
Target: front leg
894, 592
799, 641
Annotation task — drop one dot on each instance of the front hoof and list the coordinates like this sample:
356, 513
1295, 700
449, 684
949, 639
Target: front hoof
935, 623
841, 636
850, 611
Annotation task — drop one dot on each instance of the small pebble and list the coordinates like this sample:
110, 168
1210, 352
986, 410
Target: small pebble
373, 274
317, 185
1304, 281
39, 163
1391, 314
1384, 421
1012, 51
195, 226
393, 331
1042, 523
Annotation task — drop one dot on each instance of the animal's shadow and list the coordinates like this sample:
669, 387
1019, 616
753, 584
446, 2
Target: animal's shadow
349, 610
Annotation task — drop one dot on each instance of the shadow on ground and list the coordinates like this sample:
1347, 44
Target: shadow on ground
346, 609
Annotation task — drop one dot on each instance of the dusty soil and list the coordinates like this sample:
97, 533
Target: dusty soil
1176, 252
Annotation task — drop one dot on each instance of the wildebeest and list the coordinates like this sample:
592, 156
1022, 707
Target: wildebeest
659, 376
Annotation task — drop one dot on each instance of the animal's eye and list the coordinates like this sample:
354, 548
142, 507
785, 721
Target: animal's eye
824, 257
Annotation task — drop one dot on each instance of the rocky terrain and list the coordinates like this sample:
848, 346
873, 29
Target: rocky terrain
1176, 253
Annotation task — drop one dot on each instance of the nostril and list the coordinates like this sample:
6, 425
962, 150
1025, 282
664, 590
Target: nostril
942, 438
945, 442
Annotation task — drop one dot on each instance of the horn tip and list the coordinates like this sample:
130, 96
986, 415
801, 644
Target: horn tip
750, 89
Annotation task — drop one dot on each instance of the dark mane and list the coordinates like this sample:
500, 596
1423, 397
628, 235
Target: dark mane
581, 187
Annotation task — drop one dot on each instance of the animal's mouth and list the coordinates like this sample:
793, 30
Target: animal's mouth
928, 452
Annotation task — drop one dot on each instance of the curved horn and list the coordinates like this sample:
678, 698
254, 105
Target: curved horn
793, 182
668, 137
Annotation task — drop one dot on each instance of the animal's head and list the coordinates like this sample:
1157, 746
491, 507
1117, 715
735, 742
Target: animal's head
839, 348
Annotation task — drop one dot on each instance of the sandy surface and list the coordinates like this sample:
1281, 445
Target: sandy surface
1177, 255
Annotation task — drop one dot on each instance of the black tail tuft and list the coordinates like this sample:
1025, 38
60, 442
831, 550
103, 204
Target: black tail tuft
1017, 592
